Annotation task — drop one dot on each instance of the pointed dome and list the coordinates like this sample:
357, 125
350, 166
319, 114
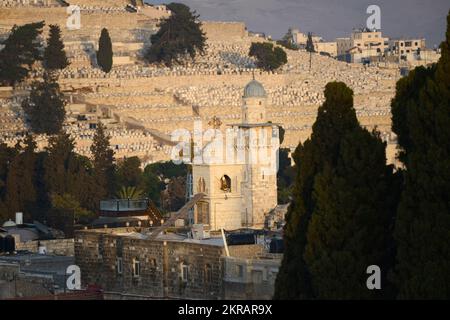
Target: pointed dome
254, 89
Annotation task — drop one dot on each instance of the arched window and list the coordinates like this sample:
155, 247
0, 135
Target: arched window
201, 186
225, 183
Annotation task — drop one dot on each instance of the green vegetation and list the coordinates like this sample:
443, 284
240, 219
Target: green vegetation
55, 57
421, 120
338, 224
105, 52
268, 57
21, 50
61, 188
179, 36
310, 48
45, 107
350, 211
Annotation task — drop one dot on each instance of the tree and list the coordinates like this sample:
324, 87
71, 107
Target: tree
21, 50
54, 55
105, 52
69, 173
335, 117
350, 227
103, 161
421, 120
179, 36
129, 173
268, 57
130, 193
66, 212
310, 48
45, 107
20, 182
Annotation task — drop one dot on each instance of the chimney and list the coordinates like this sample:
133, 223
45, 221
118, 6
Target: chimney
19, 218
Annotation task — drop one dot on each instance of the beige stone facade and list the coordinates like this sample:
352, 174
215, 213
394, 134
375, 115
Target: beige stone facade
241, 186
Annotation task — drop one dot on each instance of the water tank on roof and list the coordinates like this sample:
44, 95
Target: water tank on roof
237, 239
9, 223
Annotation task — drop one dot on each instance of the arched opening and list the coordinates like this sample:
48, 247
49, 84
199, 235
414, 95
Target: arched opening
225, 183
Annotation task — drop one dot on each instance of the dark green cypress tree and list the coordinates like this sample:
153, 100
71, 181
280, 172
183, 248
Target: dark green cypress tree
335, 118
105, 52
310, 48
421, 119
54, 55
21, 50
20, 182
351, 225
45, 108
103, 161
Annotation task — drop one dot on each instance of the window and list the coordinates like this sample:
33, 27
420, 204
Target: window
240, 271
257, 276
225, 183
184, 272
201, 185
136, 268
208, 273
119, 265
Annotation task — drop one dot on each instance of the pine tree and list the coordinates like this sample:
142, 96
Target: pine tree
45, 108
421, 119
103, 161
54, 55
179, 36
105, 52
21, 50
335, 118
268, 57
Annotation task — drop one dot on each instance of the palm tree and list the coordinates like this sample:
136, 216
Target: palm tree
130, 193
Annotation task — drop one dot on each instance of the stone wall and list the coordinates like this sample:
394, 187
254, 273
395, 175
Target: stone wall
224, 31
13, 284
63, 247
97, 251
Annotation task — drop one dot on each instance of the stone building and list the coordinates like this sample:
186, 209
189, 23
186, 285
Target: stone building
239, 180
362, 44
125, 263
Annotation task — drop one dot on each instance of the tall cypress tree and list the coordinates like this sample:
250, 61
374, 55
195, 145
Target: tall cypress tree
335, 118
310, 48
103, 160
351, 226
45, 108
20, 182
54, 55
105, 52
421, 119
